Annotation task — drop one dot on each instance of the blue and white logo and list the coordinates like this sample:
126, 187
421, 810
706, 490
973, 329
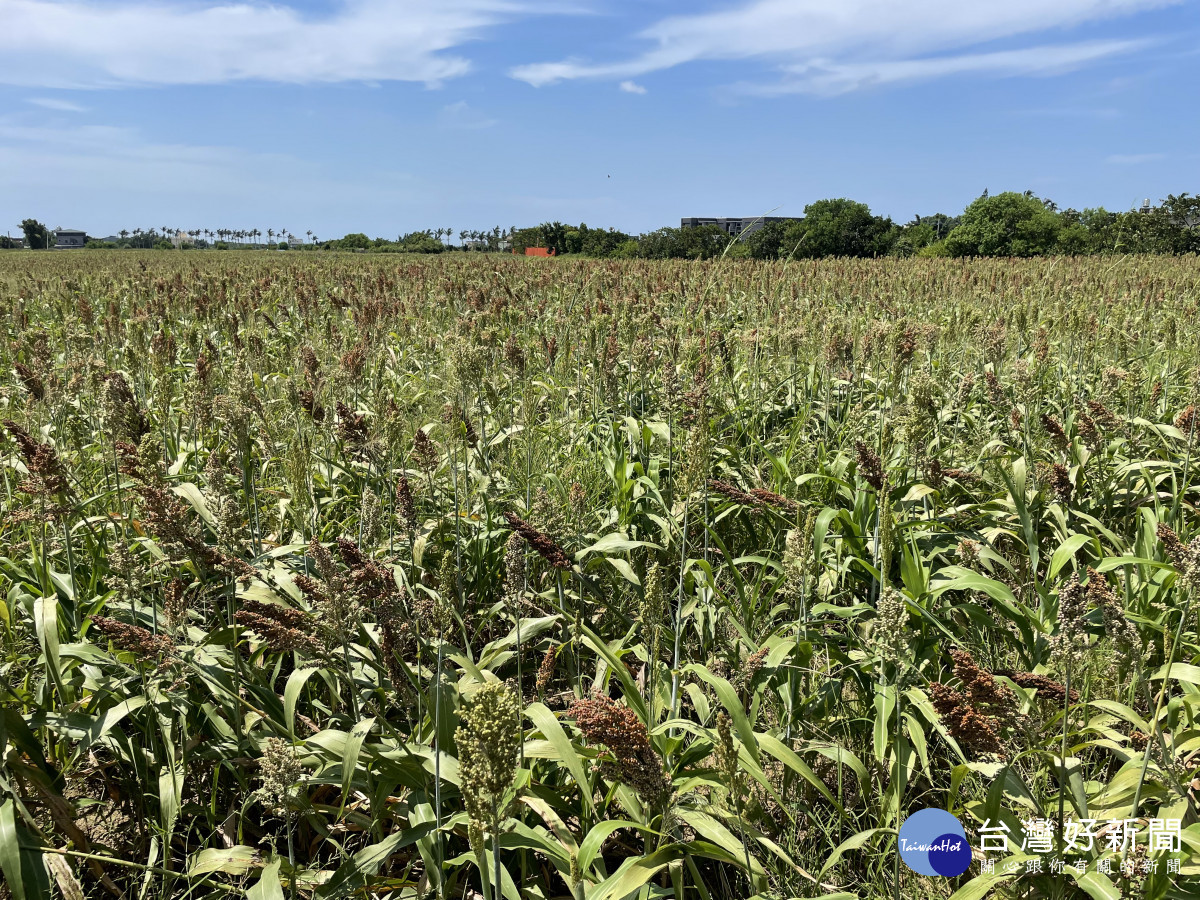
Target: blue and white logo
933, 842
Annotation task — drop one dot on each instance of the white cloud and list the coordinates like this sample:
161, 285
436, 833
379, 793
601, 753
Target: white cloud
631, 87
92, 43
857, 38
56, 104
463, 115
1134, 159
822, 77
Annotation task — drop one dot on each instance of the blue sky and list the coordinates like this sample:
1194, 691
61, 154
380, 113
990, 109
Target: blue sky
387, 116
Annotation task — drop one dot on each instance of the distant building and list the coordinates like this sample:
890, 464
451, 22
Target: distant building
735, 226
474, 245
12, 243
67, 239
538, 251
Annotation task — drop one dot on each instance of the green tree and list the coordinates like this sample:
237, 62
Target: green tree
776, 240
842, 227
1171, 227
1007, 224
602, 242
421, 242
703, 242
356, 241
555, 234
523, 238
37, 236
922, 232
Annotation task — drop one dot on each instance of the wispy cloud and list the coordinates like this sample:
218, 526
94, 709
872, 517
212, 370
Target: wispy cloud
826, 46
92, 43
631, 87
56, 104
463, 115
1134, 159
822, 77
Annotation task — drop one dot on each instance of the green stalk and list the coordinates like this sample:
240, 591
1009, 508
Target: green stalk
437, 765
679, 608
1137, 794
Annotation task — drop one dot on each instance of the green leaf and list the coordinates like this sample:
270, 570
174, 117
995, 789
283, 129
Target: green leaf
291, 695
976, 582
195, 498
105, 723
267, 887
851, 843
1123, 712
590, 845
1096, 885
521, 837
24, 870
885, 702
354, 872
772, 746
45, 618
625, 569
170, 786
1116, 562
729, 699
1185, 672
614, 542
1066, 551
982, 885
708, 827
354, 743
635, 872
552, 730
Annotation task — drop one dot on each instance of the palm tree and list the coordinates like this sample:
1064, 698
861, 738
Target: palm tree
310, 237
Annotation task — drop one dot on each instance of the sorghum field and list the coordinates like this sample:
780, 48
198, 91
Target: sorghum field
334, 576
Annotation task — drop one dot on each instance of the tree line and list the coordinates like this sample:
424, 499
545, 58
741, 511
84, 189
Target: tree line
1007, 224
